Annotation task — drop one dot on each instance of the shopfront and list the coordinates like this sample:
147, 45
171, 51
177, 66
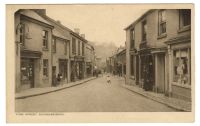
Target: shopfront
63, 69
147, 73
29, 67
180, 60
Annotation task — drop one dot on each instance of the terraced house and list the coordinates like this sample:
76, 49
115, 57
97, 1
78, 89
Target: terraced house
158, 52
45, 49
33, 37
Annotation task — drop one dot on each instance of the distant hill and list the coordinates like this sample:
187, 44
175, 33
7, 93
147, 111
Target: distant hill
104, 50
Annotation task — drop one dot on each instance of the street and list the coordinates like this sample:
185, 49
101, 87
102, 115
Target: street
92, 96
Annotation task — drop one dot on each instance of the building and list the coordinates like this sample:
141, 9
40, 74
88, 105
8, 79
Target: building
77, 55
158, 52
33, 37
89, 59
121, 62
60, 49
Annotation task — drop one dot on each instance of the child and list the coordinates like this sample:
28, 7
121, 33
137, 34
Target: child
108, 79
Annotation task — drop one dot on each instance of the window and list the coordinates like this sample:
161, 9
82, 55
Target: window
73, 45
144, 30
79, 48
45, 67
45, 39
181, 66
185, 17
83, 49
22, 34
132, 65
132, 38
54, 45
162, 22
65, 48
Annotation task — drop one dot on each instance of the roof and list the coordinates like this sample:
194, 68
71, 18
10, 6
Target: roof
58, 34
136, 21
33, 14
62, 26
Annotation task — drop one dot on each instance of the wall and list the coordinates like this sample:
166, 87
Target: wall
36, 44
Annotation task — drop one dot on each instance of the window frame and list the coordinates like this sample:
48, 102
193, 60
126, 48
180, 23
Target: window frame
144, 36
22, 34
65, 43
73, 45
79, 47
83, 49
45, 39
132, 71
54, 45
132, 38
183, 27
187, 85
45, 67
161, 22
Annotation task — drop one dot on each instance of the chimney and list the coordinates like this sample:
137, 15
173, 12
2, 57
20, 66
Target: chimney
83, 35
40, 11
58, 21
77, 30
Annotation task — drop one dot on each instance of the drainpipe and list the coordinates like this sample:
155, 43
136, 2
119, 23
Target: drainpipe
170, 70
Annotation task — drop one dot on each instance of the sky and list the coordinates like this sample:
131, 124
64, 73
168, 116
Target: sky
99, 23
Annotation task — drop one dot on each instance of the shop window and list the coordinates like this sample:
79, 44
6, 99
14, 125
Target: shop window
162, 21
45, 67
185, 17
181, 66
45, 39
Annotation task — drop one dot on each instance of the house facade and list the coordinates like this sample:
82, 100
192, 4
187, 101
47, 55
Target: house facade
77, 56
60, 49
89, 60
158, 51
33, 37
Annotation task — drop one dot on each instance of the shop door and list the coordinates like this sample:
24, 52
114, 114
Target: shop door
148, 73
27, 73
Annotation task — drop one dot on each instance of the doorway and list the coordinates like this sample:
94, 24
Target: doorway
27, 73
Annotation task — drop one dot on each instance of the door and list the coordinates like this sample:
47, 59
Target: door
161, 72
27, 73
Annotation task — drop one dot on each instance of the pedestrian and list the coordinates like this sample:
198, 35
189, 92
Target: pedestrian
108, 79
59, 78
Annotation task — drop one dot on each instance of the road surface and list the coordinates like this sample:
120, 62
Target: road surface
92, 96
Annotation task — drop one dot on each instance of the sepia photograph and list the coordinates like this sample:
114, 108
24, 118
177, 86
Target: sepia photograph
108, 59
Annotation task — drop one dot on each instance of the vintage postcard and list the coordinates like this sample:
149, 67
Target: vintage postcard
100, 63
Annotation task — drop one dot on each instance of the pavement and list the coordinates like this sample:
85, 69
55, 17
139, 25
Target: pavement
40, 91
178, 104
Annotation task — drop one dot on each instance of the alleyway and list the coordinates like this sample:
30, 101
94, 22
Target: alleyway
93, 96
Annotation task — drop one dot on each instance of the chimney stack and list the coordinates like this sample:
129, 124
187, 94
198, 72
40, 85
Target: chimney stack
40, 11
77, 30
83, 36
